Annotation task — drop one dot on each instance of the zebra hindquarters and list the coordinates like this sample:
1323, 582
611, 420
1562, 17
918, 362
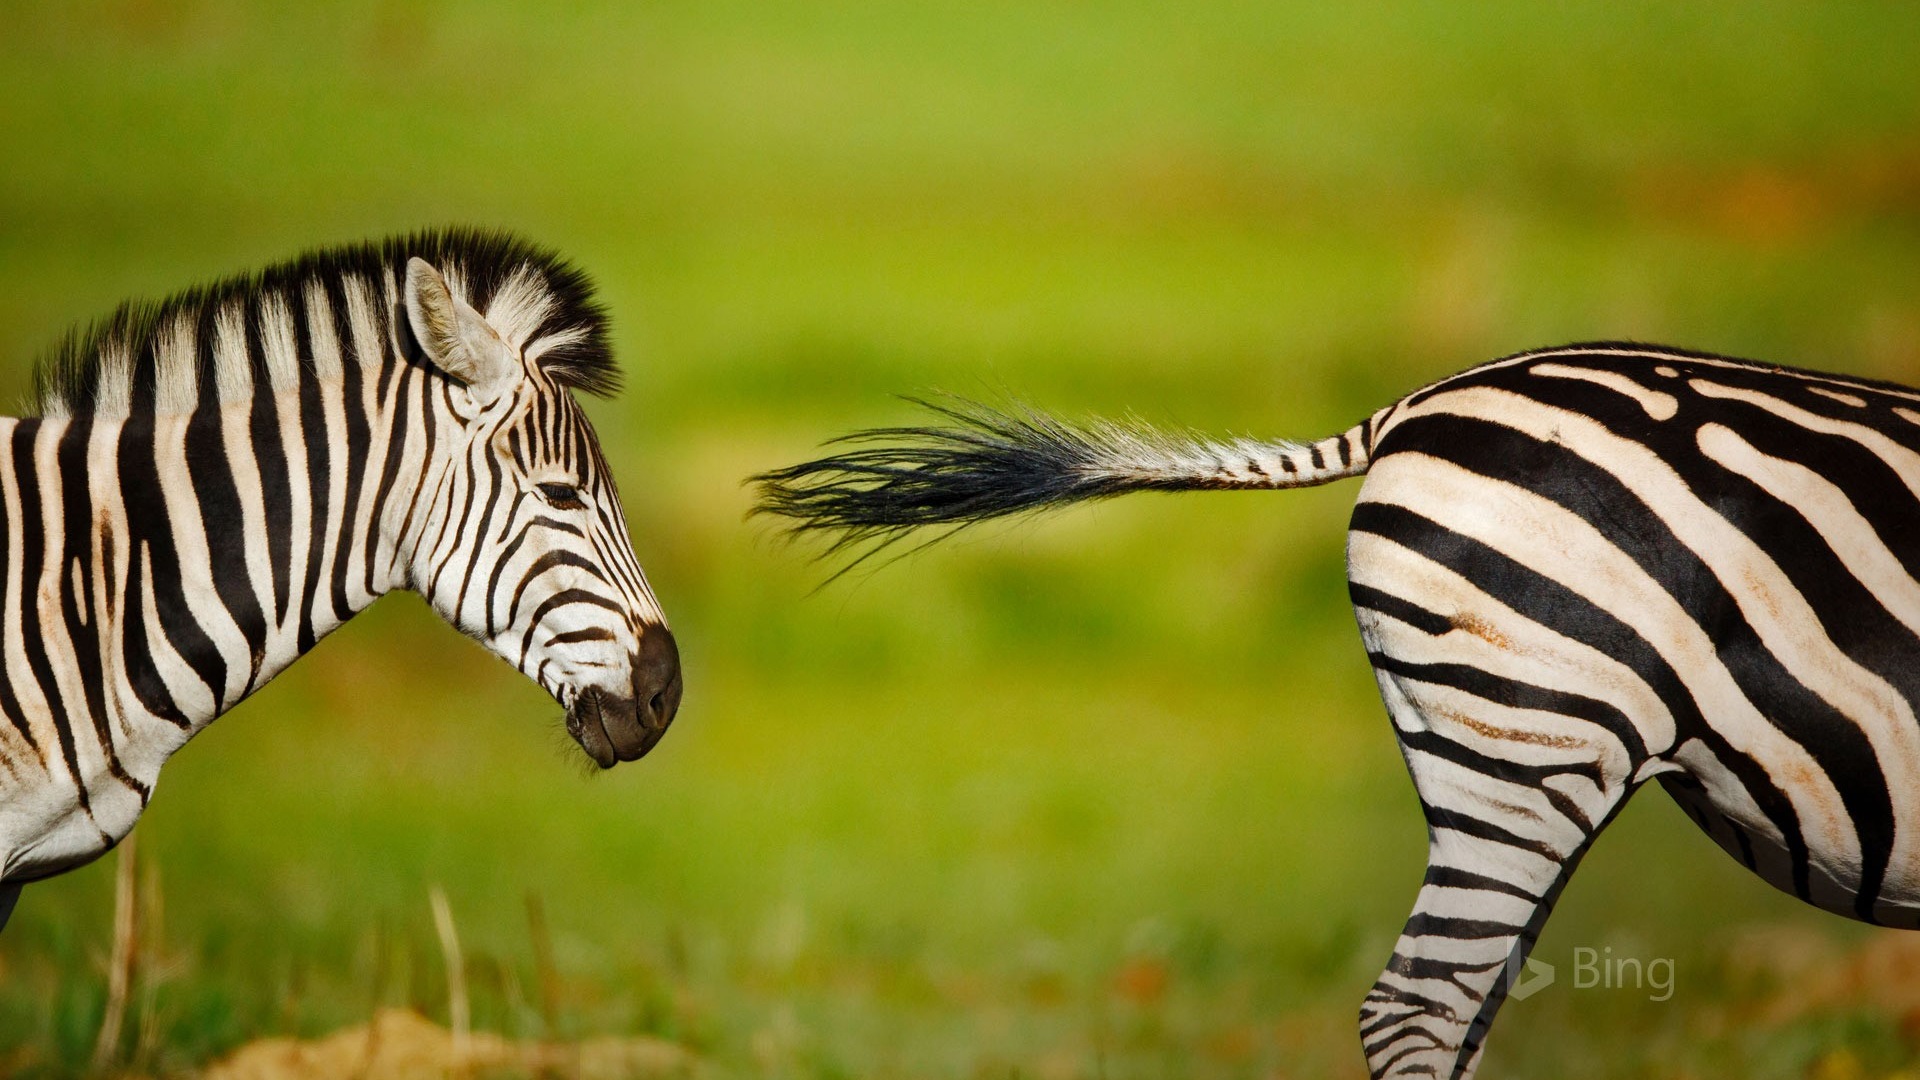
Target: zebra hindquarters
1521, 728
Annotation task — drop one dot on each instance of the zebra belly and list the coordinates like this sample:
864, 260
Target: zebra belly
1828, 876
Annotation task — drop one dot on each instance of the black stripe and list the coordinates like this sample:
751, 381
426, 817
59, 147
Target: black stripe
548, 561
81, 617
217, 492
500, 565
9, 703
423, 402
396, 434
33, 564
459, 485
1453, 877
558, 600
495, 481
150, 528
1393, 607
267, 436
313, 430
354, 461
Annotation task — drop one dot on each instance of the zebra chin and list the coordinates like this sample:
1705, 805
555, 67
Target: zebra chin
612, 729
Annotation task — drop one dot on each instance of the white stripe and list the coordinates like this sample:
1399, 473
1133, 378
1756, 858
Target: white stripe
113, 393
325, 342
232, 369
278, 341
1657, 404
177, 367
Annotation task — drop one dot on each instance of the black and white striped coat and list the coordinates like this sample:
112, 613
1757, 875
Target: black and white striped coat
1575, 570
214, 482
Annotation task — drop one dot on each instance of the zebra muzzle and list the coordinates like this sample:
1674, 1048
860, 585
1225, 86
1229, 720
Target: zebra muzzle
614, 728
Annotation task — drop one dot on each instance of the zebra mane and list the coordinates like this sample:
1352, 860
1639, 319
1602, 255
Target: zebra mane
173, 354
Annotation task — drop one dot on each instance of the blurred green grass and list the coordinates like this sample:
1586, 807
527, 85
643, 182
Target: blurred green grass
1106, 794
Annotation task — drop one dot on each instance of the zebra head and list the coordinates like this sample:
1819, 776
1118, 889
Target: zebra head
522, 543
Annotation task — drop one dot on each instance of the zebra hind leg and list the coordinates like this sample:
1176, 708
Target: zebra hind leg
1504, 836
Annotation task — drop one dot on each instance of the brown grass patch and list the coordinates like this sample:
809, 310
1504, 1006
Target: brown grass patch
1812, 975
403, 1045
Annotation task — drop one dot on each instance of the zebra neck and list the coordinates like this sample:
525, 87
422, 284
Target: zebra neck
155, 570
172, 565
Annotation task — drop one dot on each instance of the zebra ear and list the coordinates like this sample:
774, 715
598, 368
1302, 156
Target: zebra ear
455, 337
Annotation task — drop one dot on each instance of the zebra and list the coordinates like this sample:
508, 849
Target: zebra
206, 486
1574, 570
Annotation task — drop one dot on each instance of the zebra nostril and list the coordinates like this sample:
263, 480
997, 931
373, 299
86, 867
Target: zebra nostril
656, 676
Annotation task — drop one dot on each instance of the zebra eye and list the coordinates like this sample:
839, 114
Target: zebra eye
562, 496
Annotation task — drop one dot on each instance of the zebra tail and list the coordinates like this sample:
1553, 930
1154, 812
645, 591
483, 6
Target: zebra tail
992, 462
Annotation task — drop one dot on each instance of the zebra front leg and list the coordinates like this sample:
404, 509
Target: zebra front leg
1503, 839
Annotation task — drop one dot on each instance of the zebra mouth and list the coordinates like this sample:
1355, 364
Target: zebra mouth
589, 729
609, 729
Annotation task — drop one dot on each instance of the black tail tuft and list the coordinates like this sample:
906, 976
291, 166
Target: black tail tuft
991, 462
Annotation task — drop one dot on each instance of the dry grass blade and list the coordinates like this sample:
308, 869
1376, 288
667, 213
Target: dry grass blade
121, 963
459, 1018
547, 970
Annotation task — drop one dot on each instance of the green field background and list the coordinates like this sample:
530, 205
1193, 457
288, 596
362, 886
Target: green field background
1101, 795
